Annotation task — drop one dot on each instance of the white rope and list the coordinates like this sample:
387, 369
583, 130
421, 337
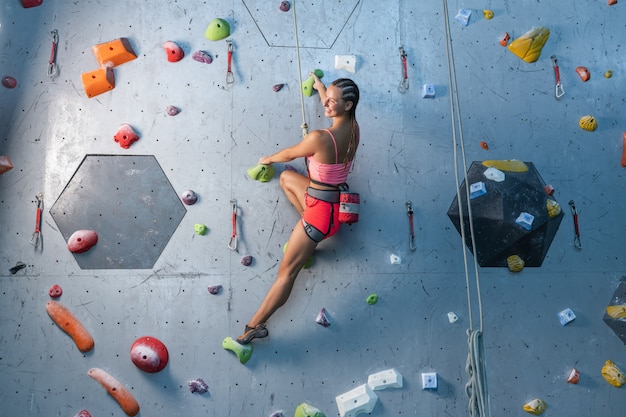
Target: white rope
304, 126
476, 387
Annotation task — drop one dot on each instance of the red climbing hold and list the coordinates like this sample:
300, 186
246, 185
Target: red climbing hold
174, 52
125, 136
82, 240
31, 3
55, 291
9, 82
149, 354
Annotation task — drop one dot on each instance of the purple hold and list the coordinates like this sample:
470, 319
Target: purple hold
215, 289
277, 87
198, 386
202, 56
322, 318
247, 260
172, 110
189, 197
285, 6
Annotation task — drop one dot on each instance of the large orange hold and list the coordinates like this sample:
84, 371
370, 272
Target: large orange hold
98, 81
114, 53
149, 354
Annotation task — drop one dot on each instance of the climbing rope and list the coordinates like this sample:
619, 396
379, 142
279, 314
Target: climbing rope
304, 126
476, 387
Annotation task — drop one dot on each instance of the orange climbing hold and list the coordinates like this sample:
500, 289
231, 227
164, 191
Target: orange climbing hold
484, 145
114, 53
98, 81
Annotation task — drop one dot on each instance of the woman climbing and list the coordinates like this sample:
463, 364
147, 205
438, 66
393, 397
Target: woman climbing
328, 154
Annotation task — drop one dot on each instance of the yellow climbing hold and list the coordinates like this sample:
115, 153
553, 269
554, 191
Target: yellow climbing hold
528, 46
487, 14
588, 123
511, 165
515, 263
536, 406
554, 209
617, 312
612, 374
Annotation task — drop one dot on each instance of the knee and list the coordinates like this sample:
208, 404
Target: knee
286, 179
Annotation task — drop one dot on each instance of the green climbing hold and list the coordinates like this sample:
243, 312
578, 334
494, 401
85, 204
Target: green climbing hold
243, 352
372, 299
307, 85
307, 410
217, 30
201, 229
307, 264
261, 172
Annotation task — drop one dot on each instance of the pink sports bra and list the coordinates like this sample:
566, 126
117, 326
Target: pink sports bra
332, 174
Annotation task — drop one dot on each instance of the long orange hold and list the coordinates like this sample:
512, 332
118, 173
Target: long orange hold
116, 390
624, 152
64, 318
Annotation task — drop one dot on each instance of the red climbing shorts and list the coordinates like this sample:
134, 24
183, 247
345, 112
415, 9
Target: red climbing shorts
321, 213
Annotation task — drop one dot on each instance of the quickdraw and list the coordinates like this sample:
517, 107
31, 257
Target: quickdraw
558, 90
409, 210
576, 229
229, 72
35, 239
232, 245
52, 66
404, 82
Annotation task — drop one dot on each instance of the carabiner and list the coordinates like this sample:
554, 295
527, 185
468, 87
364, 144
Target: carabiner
404, 82
232, 245
577, 243
229, 73
52, 66
409, 210
558, 89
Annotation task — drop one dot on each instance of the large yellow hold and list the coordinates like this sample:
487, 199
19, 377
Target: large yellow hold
616, 311
528, 46
535, 407
612, 374
510, 165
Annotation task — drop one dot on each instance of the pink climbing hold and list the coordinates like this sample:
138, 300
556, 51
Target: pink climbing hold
285, 6
83, 413
198, 386
202, 56
214, 289
55, 291
149, 354
9, 82
277, 87
174, 52
125, 136
82, 240
189, 197
172, 110
322, 318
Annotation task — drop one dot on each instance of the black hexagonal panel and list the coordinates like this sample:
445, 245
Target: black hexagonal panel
319, 22
128, 201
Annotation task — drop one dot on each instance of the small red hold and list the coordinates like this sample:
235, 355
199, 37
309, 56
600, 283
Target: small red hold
549, 189
55, 291
125, 136
247, 260
9, 82
83, 413
82, 240
285, 6
31, 3
484, 145
505, 39
215, 289
149, 354
278, 87
174, 52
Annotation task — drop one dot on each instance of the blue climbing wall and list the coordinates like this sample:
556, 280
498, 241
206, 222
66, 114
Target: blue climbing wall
48, 125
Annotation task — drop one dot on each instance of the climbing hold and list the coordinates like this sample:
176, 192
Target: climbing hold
452, 317
583, 73
247, 260
372, 299
554, 208
174, 52
549, 189
322, 318
511, 165
82, 240
5, 164
588, 123
505, 39
389, 378
612, 374
172, 110
515, 263
494, 174
277, 87
307, 264
125, 136
616, 311
189, 197
217, 30
361, 399
214, 289
463, 16
202, 56
98, 81
284, 6
488, 14
31, 3
307, 410
149, 354
200, 229
428, 91
55, 291
277, 414
536, 406
9, 82
346, 62
608, 74
198, 386
243, 352
611, 2
429, 380
528, 46
114, 53
484, 145
566, 316
261, 172
573, 376
83, 413
307, 85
